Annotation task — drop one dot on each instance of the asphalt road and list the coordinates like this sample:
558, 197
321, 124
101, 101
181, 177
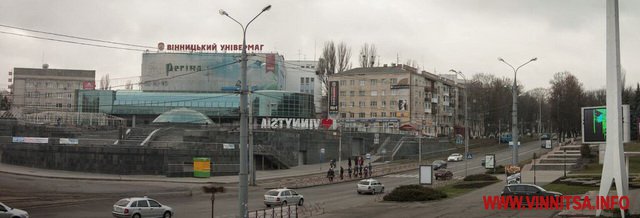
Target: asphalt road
77, 198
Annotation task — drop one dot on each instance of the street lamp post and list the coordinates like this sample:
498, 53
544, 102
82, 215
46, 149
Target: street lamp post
466, 122
514, 114
244, 121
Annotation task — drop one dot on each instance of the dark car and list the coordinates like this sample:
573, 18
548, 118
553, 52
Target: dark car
525, 190
439, 164
443, 174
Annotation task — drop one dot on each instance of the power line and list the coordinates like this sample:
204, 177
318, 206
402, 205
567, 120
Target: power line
77, 37
72, 42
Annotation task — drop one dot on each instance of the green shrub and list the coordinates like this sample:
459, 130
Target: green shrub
414, 193
480, 177
472, 185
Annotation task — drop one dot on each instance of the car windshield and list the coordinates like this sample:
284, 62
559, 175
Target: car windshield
364, 183
455, 154
273, 193
122, 203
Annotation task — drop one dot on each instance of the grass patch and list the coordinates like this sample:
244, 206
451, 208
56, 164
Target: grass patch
461, 188
480, 177
567, 189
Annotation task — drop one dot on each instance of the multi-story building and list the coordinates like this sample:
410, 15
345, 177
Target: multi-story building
301, 77
44, 89
390, 98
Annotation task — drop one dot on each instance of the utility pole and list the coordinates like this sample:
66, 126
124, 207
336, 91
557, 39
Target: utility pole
252, 167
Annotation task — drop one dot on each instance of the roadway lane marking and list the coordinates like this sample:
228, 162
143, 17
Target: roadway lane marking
402, 176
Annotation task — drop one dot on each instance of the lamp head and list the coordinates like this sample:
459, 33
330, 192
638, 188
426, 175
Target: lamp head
534, 59
500, 59
223, 13
266, 8
454, 71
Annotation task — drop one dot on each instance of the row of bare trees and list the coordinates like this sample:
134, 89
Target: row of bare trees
556, 108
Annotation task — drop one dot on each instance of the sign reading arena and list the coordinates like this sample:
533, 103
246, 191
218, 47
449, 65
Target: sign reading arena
289, 123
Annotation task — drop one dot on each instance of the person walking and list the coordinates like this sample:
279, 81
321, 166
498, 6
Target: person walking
349, 172
366, 172
329, 174
341, 173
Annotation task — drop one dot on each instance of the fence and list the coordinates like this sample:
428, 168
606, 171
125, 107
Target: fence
289, 211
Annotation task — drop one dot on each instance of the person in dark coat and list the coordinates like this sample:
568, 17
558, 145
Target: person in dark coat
349, 172
341, 173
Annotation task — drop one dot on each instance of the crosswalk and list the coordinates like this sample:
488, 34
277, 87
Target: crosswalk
402, 176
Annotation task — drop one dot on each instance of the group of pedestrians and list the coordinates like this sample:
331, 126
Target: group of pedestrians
359, 170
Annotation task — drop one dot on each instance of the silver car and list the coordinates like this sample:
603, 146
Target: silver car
140, 207
9, 212
282, 197
370, 186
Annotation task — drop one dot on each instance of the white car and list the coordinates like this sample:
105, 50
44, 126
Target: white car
140, 207
370, 186
282, 197
455, 157
9, 212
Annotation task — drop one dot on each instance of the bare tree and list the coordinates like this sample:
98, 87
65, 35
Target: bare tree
412, 63
368, 54
327, 64
344, 55
105, 82
128, 85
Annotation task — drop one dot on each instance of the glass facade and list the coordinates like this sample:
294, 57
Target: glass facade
266, 103
183, 115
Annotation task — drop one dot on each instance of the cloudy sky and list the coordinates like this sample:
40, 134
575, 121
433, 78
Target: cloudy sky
466, 35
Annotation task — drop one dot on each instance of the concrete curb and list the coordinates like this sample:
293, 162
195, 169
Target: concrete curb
108, 179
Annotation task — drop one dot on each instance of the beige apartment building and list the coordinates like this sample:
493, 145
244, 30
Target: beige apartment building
395, 98
43, 89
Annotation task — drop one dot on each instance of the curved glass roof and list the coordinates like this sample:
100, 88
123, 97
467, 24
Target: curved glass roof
183, 115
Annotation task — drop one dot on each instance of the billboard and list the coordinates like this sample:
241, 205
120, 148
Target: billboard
426, 175
210, 72
334, 100
594, 124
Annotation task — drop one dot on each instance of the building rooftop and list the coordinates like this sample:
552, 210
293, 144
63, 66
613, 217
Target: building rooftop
18, 72
183, 116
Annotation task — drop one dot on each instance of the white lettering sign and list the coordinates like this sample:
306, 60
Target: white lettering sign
289, 123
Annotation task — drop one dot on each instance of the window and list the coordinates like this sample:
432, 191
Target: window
361, 115
383, 104
351, 115
352, 82
373, 103
343, 82
374, 82
361, 82
360, 93
374, 93
394, 81
134, 204
382, 93
68, 95
343, 93
394, 92
69, 105
353, 104
143, 203
343, 115
352, 93
361, 104
392, 114
59, 105
374, 114
383, 114
153, 203
342, 104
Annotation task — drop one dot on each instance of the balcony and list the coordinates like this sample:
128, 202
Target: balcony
434, 100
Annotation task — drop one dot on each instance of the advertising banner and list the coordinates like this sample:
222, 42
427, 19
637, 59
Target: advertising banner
201, 167
334, 100
594, 124
89, 85
35, 140
68, 141
426, 175
490, 161
228, 146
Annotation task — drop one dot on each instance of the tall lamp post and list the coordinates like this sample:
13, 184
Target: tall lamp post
514, 114
244, 121
466, 121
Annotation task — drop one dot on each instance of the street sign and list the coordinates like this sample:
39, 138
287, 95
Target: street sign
322, 151
376, 138
511, 143
469, 156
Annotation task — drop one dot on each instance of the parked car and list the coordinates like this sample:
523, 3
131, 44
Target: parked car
506, 138
526, 190
10, 212
443, 174
455, 157
283, 197
141, 207
439, 164
369, 186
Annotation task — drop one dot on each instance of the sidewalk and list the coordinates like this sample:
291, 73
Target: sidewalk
267, 175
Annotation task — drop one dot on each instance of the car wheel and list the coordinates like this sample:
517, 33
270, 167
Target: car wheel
268, 205
167, 214
284, 203
301, 202
137, 215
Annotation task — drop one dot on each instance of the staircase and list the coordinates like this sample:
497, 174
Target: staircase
275, 156
401, 142
136, 136
557, 159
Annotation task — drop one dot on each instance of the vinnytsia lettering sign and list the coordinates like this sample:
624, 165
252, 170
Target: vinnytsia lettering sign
289, 123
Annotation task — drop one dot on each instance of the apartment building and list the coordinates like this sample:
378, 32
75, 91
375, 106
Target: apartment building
44, 89
394, 98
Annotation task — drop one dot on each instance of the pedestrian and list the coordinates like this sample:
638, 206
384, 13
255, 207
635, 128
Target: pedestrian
341, 173
329, 175
366, 173
349, 162
349, 172
370, 169
360, 171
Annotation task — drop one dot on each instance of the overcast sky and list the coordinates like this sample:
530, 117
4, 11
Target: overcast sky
464, 35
